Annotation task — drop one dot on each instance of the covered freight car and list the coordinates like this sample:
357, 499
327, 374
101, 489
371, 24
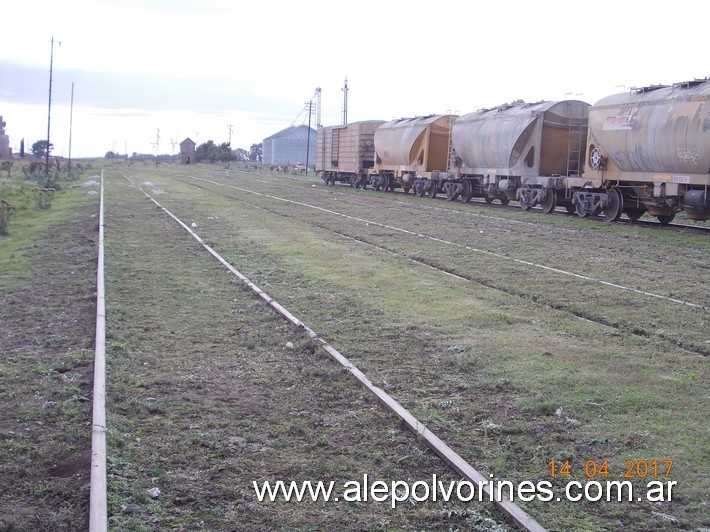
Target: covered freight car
519, 150
410, 152
345, 153
649, 150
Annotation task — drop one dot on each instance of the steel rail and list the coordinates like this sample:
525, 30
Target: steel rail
577, 315
481, 202
98, 511
501, 256
453, 459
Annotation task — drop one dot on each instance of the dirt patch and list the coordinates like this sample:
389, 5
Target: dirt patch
77, 464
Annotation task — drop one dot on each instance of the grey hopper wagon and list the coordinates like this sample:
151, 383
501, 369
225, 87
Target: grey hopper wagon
649, 151
520, 151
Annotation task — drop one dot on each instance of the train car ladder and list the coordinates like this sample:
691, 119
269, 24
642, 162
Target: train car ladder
575, 115
335, 148
451, 153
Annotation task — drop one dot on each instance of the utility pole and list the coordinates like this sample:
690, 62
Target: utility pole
157, 147
49, 109
308, 137
317, 95
71, 119
229, 145
345, 102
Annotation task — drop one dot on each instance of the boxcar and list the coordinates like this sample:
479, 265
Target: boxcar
346, 153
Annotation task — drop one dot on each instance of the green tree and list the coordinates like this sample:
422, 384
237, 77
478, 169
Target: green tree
206, 151
223, 153
241, 154
39, 148
255, 152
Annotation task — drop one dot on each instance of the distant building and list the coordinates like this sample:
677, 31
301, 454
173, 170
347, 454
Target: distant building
5, 151
187, 152
290, 146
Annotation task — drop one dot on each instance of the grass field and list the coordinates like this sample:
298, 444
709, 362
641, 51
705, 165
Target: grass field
47, 318
556, 339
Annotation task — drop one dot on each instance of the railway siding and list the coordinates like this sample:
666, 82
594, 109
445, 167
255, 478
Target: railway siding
208, 390
493, 386
642, 293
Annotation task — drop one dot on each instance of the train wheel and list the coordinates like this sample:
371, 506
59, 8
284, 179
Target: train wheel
452, 191
580, 211
375, 183
420, 188
432, 189
523, 198
466, 191
665, 219
505, 200
613, 210
550, 202
635, 214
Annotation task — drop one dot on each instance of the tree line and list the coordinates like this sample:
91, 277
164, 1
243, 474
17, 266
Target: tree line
207, 152
212, 153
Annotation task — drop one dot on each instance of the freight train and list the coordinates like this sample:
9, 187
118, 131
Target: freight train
646, 150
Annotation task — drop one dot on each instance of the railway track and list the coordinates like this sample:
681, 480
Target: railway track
98, 506
381, 247
644, 333
704, 229
515, 514
559, 211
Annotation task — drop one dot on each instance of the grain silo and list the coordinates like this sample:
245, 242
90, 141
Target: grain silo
290, 146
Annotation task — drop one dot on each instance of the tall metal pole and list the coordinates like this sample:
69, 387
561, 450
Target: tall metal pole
229, 155
308, 137
345, 102
318, 124
71, 119
49, 110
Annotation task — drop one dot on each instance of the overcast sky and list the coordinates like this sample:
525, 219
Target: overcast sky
192, 68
